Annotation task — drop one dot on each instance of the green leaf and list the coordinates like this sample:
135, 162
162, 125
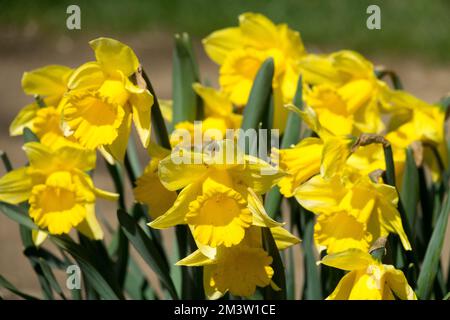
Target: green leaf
5, 160
90, 270
136, 284
18, 214
158, 124
132, 164
50, 258
10, 287
431, 260
29, 136
291, 136
147, 249
259, 100
185, 73
395, 79
312, 289
277, 264
48, 273
410, 189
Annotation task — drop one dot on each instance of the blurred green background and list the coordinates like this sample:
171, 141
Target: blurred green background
414, 27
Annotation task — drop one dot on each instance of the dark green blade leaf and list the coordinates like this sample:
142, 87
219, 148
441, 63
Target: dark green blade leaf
7, 285
312, 289
50, 258
29, 136
410, 188
48, 273
18, 214
5, 160
92, 273
430, 263
259, 99
291, 136
277, 264
185, 73
147, 249
158, 124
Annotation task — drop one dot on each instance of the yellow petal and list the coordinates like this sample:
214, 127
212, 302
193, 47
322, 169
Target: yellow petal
195, 259
150, 191
211, 291
317, 69
107, 195
219, 43
336, 150
283, 238
38, 237
396, 281
15, 186
90, 226
258, 30
141, 116
391, 220
176, 214
260, 216
157, 151
176, 171
352, 259
88, 76
257, 174
166, 109
118, 147
46, 81
23, 119
319, 195
344, 287
115, 56
215, 102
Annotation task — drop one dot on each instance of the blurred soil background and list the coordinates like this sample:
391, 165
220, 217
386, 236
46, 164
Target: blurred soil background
414, 41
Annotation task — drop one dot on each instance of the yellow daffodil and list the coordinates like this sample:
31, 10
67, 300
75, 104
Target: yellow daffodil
241, 268
369, 209
103, 100
415, 120
368, 278
60, 193
219, 199
50, 84
326, 154
240, 51
346, 94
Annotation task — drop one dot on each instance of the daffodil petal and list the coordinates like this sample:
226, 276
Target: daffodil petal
114, 55
176, 214
90, 226
46, 81
15, 186
351, 259
23, 119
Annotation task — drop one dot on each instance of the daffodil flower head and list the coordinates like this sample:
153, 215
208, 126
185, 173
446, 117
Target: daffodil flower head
368, 278
49, 83
60, 193
103, 100
220, 196
219, 216
346, 94
240, 51
241, 268
61, 203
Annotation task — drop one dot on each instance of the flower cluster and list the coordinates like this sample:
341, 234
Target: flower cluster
343, 168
